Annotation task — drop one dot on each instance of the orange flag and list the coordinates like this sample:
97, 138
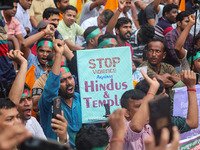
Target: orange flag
182, 5
111, 4
30, 80
79, 5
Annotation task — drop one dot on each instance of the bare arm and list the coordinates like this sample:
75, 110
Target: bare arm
32, 39
118, 124
20, 39
166, 80
178, 47
113, 20
33, 21
140, 118
140, 4
72, 46
134, 15
151, 22
35, 103
156, 6
14, 41
18, 84
189, 79
68, 52
97, 3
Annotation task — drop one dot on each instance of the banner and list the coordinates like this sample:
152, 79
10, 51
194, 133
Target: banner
180, 108
104, 75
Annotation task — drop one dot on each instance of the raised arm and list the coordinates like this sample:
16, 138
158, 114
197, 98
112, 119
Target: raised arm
140, 118
156, 6
72, 46
18, 84
49, 30
140, 4
178, 47
189, 79
113, 20
96, 3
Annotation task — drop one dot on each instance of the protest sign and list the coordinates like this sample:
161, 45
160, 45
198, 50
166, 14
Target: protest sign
180, 108
104, 75
137, 75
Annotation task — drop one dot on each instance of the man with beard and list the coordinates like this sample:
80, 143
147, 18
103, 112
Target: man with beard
123, 30
60, 83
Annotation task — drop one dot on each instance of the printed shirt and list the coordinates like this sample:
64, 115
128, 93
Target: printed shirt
72, 115
7, 72
162, 28
134, 140
32, 60
70, 33
169, 41
14, 26
138, 49
164, 68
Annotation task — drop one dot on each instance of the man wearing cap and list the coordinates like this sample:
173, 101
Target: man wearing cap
44, 47
60, 83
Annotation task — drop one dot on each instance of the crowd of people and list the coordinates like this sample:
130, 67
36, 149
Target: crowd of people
39, 40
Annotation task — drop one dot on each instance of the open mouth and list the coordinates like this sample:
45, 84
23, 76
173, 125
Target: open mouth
27, 112
70, 89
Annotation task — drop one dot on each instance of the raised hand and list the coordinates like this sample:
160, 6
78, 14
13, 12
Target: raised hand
121, 4
153, 83
58, 46
150, 142
117, 122
17, 56
61, 127
188, 78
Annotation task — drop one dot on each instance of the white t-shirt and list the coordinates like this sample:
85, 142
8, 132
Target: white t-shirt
88, 23
34, 127
87, 13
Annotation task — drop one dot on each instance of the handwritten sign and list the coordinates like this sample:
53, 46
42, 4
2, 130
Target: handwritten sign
104, 75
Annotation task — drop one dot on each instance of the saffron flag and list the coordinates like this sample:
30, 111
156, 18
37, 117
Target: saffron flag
30, 80
182, 5
111, 4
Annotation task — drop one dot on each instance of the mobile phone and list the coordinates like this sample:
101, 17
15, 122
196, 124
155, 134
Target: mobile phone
35, 143
107, 108
160, 116
56, 107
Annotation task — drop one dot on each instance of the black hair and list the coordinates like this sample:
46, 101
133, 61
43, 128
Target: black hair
57, 1
89, 137
196, 39
48, 12
144, 86
105, 36
180, 17
122, 21
168, 8
27, 87
107, 14
89, 30
6, 103
134, 94
70, 7
146, 32
15, 1
155, 39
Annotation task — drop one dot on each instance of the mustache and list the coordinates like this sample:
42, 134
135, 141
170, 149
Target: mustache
128, 33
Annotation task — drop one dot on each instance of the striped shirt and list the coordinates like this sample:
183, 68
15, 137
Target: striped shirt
162, 28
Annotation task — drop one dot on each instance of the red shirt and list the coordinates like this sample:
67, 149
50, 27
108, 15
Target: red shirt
127, 44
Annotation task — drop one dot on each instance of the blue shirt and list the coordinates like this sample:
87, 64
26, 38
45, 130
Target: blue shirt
72, 115
32, 60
